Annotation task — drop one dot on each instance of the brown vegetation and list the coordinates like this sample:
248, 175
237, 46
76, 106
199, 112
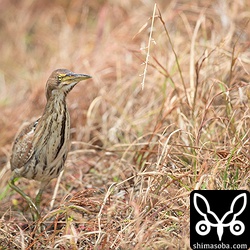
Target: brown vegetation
145, 133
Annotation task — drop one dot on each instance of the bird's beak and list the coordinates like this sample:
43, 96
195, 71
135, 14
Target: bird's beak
73, 77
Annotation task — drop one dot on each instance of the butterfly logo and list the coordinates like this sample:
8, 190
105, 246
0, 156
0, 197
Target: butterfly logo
203, 227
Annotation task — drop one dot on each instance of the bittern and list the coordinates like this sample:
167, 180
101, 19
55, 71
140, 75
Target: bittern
40, 149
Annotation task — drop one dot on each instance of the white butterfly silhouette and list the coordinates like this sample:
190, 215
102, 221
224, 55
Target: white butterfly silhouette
203, 227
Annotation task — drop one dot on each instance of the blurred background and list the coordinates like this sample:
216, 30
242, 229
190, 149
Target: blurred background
188, 128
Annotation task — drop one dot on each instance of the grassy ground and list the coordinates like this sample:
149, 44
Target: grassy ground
167, 111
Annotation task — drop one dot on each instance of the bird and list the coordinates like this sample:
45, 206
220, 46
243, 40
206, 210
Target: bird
40, 149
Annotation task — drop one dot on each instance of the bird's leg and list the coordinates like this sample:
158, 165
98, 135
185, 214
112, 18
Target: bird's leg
38, 198
33, 207
39, 195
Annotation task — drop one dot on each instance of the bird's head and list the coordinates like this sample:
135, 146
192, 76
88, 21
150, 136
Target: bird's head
61, 81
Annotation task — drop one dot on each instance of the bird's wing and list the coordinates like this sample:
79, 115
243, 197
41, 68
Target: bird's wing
22, 148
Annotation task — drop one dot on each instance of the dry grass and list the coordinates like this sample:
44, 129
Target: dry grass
136, 154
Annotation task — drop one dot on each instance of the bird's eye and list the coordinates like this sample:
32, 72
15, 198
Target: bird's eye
59, 78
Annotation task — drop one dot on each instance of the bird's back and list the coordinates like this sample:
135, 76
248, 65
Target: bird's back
22, 147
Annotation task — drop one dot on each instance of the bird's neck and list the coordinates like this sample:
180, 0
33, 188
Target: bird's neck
56, 102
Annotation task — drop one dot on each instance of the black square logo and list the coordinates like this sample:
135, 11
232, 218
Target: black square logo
220, 219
